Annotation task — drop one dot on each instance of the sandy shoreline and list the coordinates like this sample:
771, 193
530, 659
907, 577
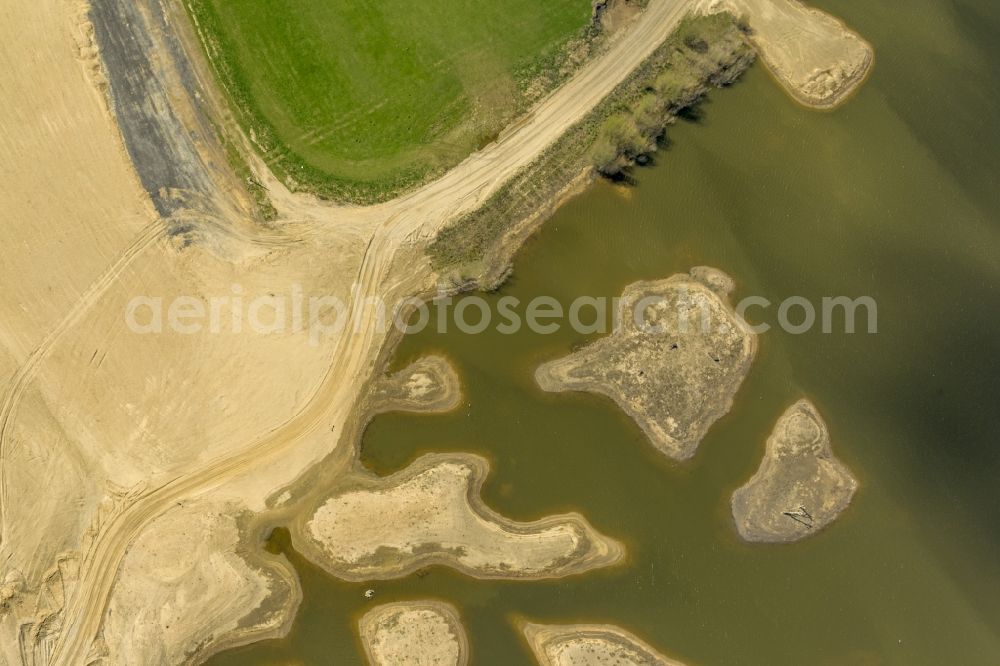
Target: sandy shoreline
161, 576
589, 645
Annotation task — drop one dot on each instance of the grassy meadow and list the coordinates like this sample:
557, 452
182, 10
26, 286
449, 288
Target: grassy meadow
359, 100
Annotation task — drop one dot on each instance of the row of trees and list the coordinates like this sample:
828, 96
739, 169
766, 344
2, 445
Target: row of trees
626, 137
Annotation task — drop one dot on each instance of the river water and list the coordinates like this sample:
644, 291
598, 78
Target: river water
893, 196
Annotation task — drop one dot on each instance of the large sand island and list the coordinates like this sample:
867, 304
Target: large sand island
675, 363
418, 633
800, 487
590, 645
431, 513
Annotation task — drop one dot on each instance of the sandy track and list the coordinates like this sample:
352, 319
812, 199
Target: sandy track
394, 225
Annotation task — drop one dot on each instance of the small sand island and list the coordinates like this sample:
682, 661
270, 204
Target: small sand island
800, 488
420, 633
429, 384
590, 645
674, 363
431, 513
817, 59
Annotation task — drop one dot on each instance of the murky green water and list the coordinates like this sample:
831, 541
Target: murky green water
893, 196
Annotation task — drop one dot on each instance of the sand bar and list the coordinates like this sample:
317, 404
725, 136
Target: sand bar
590, 645
815, 57
429, 384
431, 513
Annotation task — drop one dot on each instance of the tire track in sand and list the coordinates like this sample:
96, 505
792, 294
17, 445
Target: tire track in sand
19, 383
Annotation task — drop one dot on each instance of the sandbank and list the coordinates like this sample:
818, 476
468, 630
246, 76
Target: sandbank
800, 487
429, 384
590, 645
431, 513
815, 57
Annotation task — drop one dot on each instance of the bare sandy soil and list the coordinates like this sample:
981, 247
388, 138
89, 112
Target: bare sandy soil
129, 461
814, 56
674, 363
75, 216
431, 513
590, 645
421, 633
800, 487
189, 558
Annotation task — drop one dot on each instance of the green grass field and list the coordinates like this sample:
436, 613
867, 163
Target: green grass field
359, 99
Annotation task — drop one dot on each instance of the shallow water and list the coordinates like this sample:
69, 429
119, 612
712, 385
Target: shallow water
892, 196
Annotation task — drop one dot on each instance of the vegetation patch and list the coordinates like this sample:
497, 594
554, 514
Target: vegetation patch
703, 52
360, 101
258, 193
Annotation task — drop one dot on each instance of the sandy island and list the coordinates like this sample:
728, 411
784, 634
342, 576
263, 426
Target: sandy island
675, 374
419, 633
590, 645
815, 57
800, 488
431, 513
